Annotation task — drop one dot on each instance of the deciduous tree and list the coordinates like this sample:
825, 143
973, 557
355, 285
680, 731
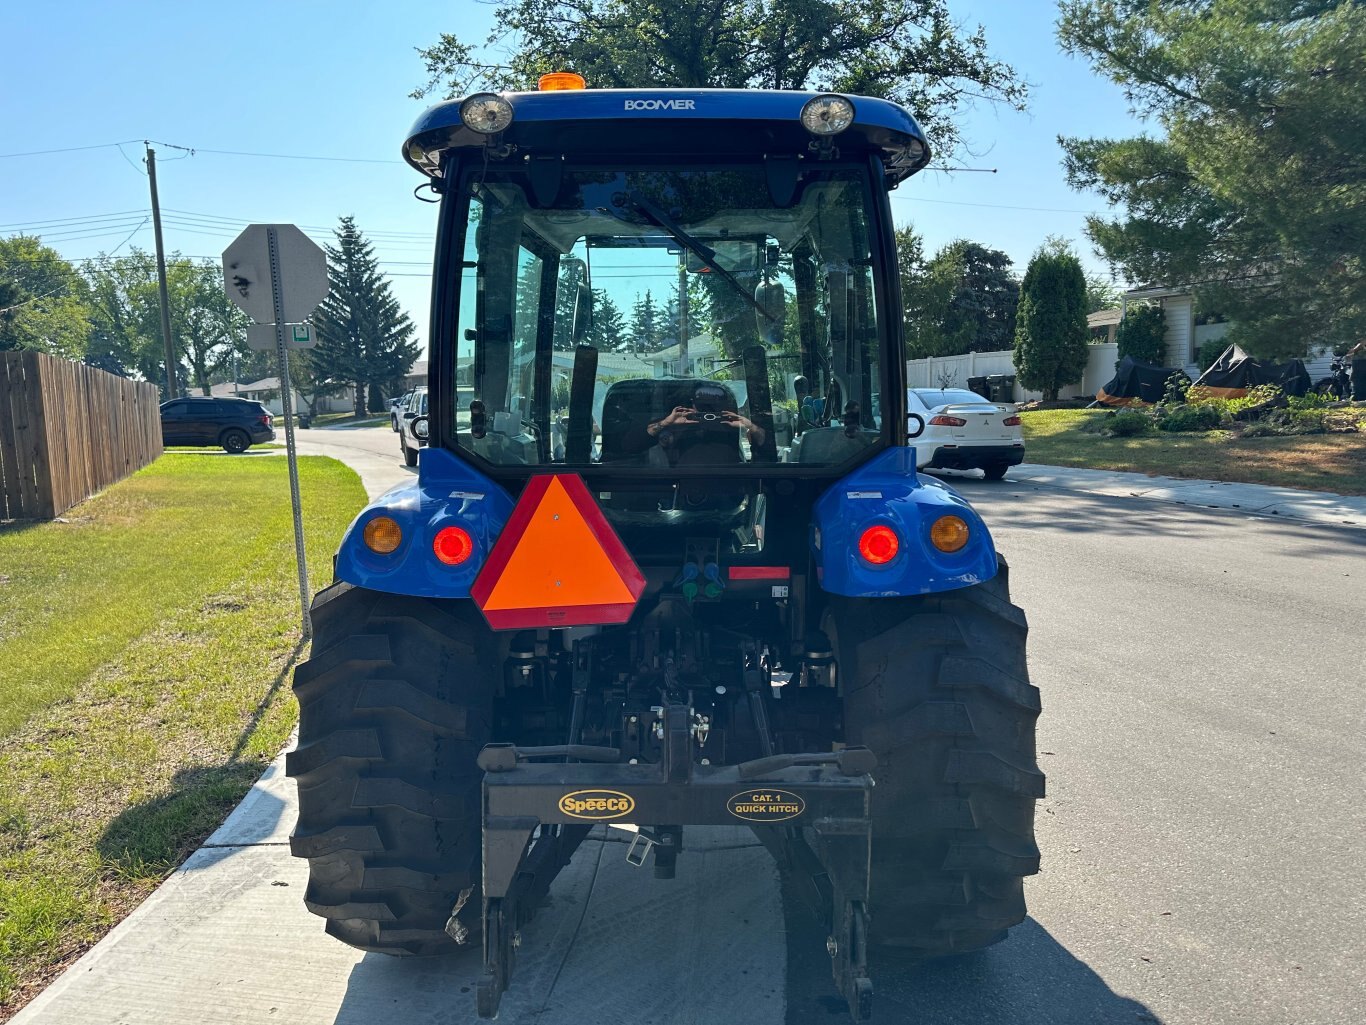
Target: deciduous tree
910, 51
961, 300
44, 302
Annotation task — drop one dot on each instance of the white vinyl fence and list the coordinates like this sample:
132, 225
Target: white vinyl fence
954, 371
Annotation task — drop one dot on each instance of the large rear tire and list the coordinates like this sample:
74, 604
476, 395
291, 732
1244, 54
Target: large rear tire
937, 687
393, 709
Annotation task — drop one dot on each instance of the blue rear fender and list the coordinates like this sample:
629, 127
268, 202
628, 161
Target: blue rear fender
887, 490
446, 493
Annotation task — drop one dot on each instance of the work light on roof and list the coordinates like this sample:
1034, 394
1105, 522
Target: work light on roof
486, 113
827, 115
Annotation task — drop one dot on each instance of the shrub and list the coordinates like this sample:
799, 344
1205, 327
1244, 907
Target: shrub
1128, 423
1142, 334
1209, 352
1306, 421
1284, 422
1176, 389
1310, 400
1254, 397
1203, 416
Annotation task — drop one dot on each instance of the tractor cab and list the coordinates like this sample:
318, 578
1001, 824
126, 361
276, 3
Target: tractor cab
684, 297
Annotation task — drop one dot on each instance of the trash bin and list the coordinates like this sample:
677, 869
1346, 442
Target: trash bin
1359, 380
1001, 388
979, 385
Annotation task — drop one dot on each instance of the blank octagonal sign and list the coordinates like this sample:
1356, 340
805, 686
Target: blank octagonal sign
303, 273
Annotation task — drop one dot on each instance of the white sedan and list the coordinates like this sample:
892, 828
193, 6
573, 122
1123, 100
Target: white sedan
956, 429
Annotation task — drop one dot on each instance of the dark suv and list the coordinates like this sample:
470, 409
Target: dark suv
235, 424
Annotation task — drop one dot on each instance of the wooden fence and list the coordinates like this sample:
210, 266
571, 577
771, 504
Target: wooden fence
68, 430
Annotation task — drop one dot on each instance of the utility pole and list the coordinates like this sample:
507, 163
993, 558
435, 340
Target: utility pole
683, 367
171, 391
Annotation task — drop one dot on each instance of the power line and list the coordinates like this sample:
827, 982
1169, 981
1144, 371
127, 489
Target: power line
1001, 206
68, 149
65, 220
276, 156
59, 288
309, 227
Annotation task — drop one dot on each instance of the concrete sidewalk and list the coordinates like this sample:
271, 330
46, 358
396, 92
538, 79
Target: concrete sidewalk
226, 940
1258, 499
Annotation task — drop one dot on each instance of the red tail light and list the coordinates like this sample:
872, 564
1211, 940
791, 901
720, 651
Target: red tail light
265, 419
947, 421
452, 545
879, 544
1011, 421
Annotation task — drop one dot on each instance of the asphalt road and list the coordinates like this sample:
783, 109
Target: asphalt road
1203, 836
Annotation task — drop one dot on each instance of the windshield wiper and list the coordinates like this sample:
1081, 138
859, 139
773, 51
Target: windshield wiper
695, 246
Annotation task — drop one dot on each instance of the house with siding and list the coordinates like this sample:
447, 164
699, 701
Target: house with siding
1185, 336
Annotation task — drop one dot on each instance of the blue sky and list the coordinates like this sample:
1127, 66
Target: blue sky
306, 78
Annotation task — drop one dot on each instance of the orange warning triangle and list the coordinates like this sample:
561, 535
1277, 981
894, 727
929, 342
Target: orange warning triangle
557, 563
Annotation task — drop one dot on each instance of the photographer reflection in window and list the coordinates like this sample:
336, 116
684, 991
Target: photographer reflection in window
708, 431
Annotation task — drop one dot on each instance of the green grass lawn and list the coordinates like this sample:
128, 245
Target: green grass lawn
144, 685
1316, 462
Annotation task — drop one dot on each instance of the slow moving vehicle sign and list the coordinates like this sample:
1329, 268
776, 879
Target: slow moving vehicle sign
557, 563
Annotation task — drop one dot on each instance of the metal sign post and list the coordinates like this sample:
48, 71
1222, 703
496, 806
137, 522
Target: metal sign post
298, 282
287, 409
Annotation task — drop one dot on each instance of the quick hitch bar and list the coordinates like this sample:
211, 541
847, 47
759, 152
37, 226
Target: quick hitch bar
812, 811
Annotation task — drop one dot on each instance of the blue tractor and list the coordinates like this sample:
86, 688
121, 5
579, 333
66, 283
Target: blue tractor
669, 574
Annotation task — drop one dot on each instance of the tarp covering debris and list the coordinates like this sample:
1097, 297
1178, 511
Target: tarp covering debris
1137, 383
1234, 372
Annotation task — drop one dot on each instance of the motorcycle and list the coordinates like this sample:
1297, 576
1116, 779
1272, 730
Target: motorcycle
1339, 383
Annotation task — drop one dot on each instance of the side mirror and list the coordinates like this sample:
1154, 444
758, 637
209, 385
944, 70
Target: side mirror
421, 426
574, 276
771, 298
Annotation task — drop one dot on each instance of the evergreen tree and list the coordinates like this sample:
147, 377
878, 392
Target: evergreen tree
645, 324
528, 305
363, 335
1250, 189
1050, 325
910, 261
608, 332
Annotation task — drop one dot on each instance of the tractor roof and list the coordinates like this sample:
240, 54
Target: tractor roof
725, 123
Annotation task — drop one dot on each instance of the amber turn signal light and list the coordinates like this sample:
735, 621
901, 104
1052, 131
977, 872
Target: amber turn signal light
949, 533
879, 544
382, 535
452, 545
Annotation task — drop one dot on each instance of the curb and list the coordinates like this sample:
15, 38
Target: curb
1318, 507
